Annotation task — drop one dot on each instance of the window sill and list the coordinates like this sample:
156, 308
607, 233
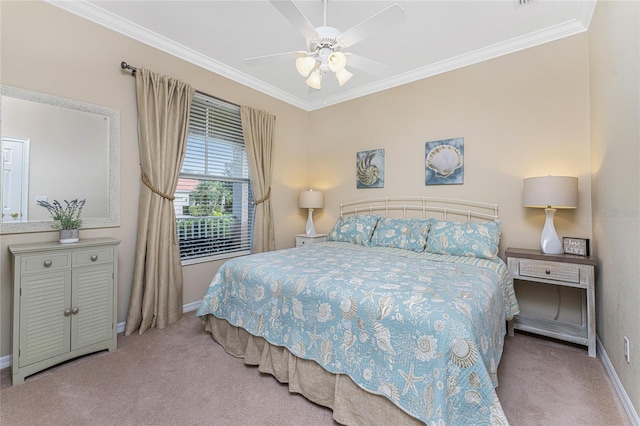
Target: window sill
212, 258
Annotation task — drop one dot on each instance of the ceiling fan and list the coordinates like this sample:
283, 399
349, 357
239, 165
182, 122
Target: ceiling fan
325, 44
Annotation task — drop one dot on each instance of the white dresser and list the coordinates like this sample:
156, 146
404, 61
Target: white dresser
64, 302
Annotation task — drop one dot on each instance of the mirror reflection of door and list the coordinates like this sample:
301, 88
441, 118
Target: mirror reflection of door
15, 179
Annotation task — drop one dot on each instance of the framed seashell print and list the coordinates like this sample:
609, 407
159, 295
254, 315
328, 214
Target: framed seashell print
370, 169
444, 162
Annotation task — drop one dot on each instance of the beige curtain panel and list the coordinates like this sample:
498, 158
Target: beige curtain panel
163, 124
258, 127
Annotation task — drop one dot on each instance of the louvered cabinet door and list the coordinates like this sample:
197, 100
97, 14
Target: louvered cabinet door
92, 296
64, 302
44, 327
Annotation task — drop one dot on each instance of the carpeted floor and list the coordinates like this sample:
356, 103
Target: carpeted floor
180, 376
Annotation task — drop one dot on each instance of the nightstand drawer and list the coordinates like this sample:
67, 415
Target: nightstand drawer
307, 240
549, 270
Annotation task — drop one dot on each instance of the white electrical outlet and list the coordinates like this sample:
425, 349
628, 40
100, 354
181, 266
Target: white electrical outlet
42, 198
626, 349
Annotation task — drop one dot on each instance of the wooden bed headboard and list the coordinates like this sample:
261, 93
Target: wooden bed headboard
422, 208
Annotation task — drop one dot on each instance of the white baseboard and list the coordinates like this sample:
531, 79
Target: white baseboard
5, 361
191, 306
185, 308
622, 394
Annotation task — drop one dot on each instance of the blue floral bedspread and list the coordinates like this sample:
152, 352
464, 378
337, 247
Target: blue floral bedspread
424, 330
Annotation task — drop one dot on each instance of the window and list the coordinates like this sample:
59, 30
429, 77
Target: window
213, 199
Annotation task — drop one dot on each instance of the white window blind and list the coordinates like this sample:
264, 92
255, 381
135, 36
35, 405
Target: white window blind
214, 201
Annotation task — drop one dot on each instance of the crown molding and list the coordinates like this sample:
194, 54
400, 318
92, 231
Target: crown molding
125, 27
113, 22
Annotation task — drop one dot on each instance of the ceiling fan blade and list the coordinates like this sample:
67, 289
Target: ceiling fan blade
368, 65
294, 15
378, 22
266, 59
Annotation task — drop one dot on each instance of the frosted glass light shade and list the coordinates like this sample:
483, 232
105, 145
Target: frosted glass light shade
315, 80
550, 193
337, 61
343, 76
305, 65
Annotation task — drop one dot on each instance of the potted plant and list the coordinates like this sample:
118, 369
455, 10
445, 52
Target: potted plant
67, 218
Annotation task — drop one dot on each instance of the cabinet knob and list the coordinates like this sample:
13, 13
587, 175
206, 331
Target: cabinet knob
94, 257
548, 272
75, 310
47, 263
67, 312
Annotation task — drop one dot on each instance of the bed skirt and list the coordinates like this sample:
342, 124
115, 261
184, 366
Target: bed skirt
351, 405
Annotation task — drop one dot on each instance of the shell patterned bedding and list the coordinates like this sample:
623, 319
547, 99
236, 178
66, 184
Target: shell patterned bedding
424, 330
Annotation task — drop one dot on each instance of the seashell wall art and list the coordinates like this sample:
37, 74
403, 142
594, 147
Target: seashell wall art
370, 169
444, 162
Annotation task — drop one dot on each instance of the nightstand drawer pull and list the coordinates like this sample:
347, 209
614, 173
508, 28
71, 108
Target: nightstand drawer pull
548, 272
47, 263
94, 257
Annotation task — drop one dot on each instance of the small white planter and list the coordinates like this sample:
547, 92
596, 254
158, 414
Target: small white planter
69, 236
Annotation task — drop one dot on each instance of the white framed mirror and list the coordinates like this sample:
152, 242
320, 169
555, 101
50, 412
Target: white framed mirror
55, 148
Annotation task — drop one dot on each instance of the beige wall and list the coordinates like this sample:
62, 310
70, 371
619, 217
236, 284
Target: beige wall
49, 50
521, 115
615, 145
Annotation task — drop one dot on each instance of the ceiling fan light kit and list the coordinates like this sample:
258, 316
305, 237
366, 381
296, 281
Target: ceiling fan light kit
337, 61
305, 65
325, 43
343, 76
315, 80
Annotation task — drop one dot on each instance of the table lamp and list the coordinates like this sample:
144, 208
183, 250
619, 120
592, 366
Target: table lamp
310, 200
550, 193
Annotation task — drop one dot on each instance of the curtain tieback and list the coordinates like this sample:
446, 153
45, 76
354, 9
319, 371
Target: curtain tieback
263, 199
145, 180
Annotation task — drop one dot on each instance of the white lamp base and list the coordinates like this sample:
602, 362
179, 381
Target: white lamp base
310, 229
549, 241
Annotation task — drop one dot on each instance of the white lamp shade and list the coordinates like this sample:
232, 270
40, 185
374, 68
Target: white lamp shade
558, 192
305, 65
315, 80
311, 199
343, 76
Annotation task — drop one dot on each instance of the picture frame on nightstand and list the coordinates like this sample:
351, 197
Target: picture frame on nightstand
576, 246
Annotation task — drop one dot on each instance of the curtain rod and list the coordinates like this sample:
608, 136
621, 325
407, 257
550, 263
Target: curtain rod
133, 70
126, 66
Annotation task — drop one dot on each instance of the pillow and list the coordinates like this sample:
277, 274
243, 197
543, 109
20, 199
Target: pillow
408, 234
464, 239
354, 229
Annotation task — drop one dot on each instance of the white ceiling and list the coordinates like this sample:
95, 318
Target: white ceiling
435, 37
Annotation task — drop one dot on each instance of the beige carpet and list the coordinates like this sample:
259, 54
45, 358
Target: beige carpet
180, 376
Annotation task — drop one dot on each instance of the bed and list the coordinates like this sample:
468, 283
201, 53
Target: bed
399, 318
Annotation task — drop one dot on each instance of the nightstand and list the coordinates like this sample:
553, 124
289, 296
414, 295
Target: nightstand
559, 270
307, 240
